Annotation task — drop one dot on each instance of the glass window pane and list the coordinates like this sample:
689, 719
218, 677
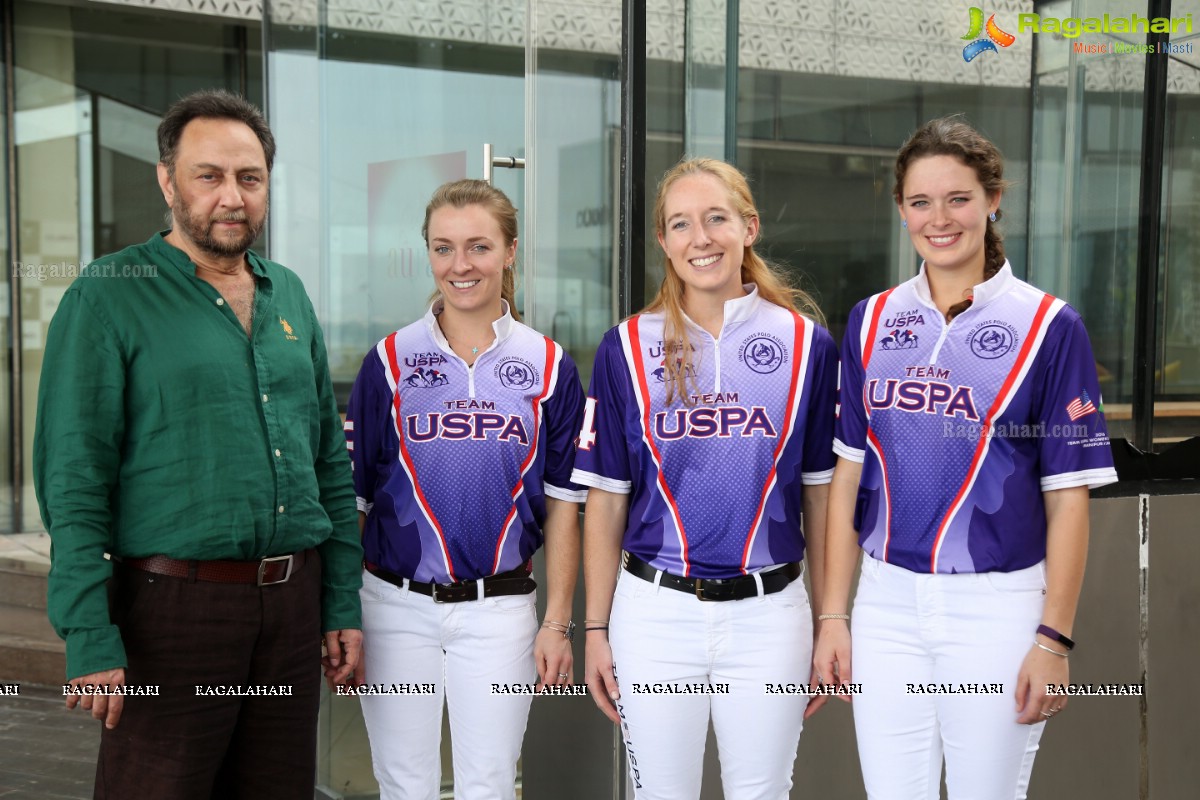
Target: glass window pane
1084, 192
90, 86
6, 376
1177, 388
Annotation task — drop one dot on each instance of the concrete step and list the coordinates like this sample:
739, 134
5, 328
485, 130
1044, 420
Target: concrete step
26, 623
25, 660
30, 651
22, 588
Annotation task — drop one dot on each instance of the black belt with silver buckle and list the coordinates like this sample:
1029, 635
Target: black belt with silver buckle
718, 589
515, 581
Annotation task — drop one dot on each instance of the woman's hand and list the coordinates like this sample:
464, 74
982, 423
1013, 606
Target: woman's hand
598, 672
831, 661
553, 657
1038, 670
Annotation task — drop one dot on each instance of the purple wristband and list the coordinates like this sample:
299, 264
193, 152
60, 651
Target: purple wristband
1050, 633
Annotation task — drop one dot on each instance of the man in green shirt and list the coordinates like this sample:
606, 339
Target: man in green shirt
186, 426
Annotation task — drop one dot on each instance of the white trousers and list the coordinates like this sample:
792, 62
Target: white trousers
460, 650
937, 657
663, 641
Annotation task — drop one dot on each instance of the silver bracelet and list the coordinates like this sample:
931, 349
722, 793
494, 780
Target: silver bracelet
823, 617
1050, 649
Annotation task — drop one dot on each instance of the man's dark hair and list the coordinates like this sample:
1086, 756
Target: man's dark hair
211, 104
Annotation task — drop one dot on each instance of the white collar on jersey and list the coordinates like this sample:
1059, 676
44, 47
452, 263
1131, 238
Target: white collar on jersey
739, 309
982, 294
502, 326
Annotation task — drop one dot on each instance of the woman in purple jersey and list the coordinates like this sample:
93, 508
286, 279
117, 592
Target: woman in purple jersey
461, 428
708, 429
967, 441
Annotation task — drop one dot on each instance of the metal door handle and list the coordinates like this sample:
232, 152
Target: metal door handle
507, 162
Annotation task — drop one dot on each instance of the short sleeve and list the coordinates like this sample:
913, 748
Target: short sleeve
601, 456
1074, 448
850, 429
564, 414
819, 458
367, 415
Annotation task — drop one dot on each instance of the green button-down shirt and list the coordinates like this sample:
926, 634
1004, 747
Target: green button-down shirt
163, 429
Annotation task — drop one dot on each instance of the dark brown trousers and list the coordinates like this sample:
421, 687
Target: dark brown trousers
186, 636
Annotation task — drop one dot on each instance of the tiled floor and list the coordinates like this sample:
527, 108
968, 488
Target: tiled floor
46, 751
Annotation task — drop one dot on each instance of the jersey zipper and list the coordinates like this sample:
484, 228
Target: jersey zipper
717, 362
937, 348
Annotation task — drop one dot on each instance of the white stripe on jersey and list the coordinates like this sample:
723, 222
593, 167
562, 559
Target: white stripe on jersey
864, 327
551, 381
797, 389
393, 384
998, 408
643, 417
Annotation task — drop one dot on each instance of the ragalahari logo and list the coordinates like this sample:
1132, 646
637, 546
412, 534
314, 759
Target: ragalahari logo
994, 37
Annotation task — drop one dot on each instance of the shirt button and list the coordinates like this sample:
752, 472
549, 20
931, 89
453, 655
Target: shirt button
264, 398
281, 509
278, 453
220, 301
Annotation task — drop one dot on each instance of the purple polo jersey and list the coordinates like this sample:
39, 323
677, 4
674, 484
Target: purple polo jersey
961, 426
453, 464
716, 485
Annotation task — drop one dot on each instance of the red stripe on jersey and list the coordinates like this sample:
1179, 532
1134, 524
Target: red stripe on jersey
984, 439
873, 328
635, 345
873, 441
406, 459
533, 444
793, 389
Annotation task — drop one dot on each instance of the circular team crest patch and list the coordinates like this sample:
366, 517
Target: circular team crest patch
992, 340
762, 353
516, 373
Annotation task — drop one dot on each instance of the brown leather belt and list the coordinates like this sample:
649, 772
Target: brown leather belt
515, 581
263, 572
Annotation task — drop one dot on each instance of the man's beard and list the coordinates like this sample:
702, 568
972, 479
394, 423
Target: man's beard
199, 228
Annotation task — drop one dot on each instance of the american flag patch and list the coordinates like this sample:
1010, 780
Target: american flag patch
1080, 407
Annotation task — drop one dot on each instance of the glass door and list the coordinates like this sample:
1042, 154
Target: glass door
372, 112
572, 135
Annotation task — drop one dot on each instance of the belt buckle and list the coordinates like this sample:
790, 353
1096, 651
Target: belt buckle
700, 590
262, 569
448, 589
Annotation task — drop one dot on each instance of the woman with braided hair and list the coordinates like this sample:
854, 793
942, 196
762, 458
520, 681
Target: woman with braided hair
964, 466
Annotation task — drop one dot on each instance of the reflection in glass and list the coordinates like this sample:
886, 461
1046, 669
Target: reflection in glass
1084, 194
90, 86
6, 477
1177, 409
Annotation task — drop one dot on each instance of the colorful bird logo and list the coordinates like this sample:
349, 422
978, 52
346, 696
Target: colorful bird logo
995, 36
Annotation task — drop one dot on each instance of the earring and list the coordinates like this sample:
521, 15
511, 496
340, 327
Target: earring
903, 223
992, 216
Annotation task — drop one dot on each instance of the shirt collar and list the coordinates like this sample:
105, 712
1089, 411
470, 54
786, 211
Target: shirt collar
503, 327
177, 257
739, 309
981, 294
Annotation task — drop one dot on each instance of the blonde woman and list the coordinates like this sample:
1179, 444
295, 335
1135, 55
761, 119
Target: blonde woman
461, 429
708, 430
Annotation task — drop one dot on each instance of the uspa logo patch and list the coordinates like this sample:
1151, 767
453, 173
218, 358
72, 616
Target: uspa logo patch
762, 353
992, 339
516, 373
980, 43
